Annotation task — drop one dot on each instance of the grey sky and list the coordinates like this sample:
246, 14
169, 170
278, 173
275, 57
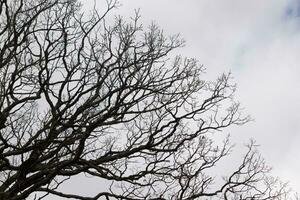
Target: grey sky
259, 42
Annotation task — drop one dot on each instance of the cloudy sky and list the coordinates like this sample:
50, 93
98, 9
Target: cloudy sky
259, 42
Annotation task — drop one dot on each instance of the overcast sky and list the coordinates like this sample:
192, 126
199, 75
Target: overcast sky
259, 42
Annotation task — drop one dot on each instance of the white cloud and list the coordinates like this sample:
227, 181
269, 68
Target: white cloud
259, 42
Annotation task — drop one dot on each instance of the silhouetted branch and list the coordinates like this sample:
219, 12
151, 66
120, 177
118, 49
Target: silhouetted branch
81, 94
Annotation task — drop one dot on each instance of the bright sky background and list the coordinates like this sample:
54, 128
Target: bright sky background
259, 42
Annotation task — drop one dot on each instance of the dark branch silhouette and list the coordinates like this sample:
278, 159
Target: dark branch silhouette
82, 94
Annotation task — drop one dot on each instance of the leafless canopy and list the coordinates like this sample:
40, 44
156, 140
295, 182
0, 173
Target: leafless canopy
85, 94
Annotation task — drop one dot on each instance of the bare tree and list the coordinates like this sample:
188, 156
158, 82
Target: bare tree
82, 94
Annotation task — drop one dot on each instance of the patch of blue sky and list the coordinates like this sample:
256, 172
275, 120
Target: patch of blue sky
293, 9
